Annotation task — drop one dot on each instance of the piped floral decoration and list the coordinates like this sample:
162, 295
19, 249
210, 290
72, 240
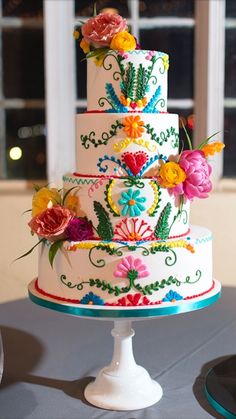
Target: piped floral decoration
104, 32
131, 268
133, 203
172, 297
133, 229
133, 126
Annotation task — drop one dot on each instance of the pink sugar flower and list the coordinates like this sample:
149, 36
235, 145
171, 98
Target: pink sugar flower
198, 171
130, 264
99, 30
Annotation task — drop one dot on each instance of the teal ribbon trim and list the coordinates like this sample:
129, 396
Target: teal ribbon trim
125, 312
218, 407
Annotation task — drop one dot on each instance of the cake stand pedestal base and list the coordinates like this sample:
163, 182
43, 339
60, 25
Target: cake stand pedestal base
123, 385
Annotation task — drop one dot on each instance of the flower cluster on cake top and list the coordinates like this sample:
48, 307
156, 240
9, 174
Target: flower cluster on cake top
104, 32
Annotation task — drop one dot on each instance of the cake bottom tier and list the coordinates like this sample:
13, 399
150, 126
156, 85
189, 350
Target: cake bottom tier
129, 273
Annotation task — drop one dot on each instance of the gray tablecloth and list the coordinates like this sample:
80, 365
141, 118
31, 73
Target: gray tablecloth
50, 357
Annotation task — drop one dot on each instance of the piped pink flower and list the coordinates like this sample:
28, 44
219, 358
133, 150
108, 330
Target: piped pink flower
130, 265
150, 55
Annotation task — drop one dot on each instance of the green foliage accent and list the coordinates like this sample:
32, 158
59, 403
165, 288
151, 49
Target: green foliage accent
29, 251
106, 286
164, 135
206, 141
141, 82
134, 181
162, 228
105, 137
53, 250
156, 286
129, 82
104, 228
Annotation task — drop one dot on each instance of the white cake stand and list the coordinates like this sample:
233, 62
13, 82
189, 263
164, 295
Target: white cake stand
124, 385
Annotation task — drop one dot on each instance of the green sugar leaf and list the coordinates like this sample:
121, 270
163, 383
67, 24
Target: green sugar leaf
53, 251
162, 228
104, 228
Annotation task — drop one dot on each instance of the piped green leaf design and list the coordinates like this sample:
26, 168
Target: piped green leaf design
162, 228
53, 251
104, 228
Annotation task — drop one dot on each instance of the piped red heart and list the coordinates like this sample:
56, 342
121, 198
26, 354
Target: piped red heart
135, 161
133, 105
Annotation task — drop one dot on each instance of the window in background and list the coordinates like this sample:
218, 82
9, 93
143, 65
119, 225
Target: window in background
22, 117
162, 25
230, 90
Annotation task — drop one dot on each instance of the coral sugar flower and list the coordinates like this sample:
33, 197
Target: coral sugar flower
133, 126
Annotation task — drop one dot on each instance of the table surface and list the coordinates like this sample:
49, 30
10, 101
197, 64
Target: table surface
50, 357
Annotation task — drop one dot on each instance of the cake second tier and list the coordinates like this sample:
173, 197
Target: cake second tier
128, 208
125, 144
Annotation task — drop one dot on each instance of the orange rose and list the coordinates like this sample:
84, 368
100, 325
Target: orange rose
51, 223
212, 148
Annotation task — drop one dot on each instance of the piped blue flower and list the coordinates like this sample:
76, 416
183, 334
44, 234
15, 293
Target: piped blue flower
92, 299
172, 297
132, 203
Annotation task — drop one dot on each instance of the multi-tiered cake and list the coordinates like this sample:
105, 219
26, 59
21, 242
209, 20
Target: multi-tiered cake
119, 233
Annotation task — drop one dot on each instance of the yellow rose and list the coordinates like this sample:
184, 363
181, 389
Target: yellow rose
171, 174
123, 41
72, 202
76, 34
98, 60
85, 46
43, 199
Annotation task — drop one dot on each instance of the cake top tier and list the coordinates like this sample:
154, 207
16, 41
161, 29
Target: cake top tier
121, 76
128, 81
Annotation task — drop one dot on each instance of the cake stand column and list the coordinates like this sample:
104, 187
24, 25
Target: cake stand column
123, 385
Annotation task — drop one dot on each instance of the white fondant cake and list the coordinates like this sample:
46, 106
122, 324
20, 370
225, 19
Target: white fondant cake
118, 232
129, 274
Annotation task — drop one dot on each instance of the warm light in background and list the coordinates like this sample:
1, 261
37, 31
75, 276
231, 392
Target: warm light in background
15, 153
110, 10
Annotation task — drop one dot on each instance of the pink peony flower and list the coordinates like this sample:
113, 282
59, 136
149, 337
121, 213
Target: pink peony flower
198, 171
52, 222
130, 264
99, 30
79, 229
